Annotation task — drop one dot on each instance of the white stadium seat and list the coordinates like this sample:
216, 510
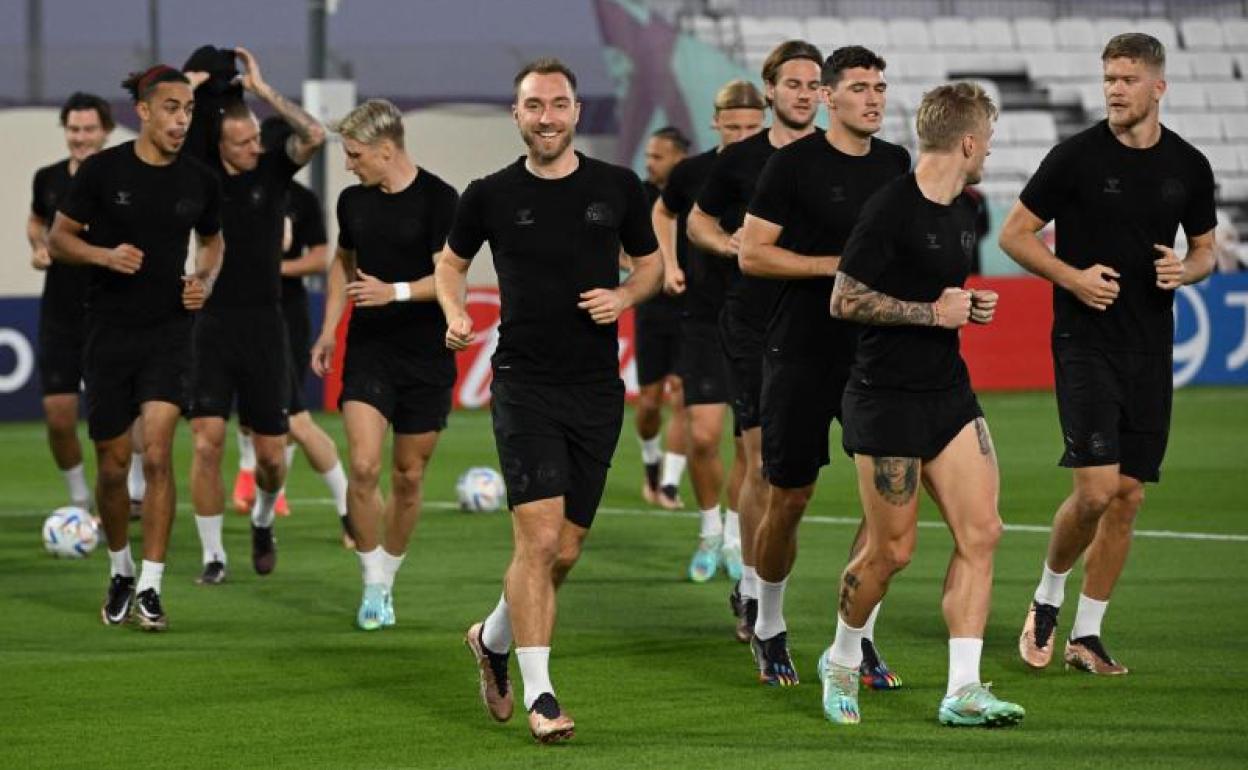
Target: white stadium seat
826, 32
869, 32
1188, 97
1180, 65
1034, 34
1092, 99
1200, 34
1076, 34
1194, 127
1162, 29
1225, 158
1015, 161
1027, 127
1062, 65
1242, 151
908, 34
1235, 37
1212, 65
1108, 27
1002, 191
1235, 126
924, 67
950, 33
1233, 188
1227, 96
992, 33
906, 96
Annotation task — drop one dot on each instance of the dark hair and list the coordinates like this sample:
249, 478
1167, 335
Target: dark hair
235, 109
1136, 45
548, 65
848, 58
673, 135
274, 131
786, 52
79, 100
140, 85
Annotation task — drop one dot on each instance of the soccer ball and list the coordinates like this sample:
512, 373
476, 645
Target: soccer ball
481, 489
70, 533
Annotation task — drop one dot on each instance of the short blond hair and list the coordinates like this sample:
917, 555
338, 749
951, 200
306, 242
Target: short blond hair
372, 121
739, 95
949, 112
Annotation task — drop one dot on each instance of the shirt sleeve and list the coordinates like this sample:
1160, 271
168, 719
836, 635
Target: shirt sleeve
637, 229
716, 194
441, 217
872, 247
468, 229
36, 199
1052, 186
209, 222
280, 166
344, 231
773, 195
674, 196
1201, 214
310, 222
82, 202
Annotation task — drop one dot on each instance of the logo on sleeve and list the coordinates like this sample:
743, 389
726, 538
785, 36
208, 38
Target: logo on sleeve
524, 217
1172, 191
1113, 185
600, 213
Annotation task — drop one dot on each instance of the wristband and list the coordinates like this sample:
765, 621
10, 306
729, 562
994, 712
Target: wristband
402, 291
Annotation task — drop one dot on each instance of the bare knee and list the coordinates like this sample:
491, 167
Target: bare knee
567, 556
789, 504
539, 548
407, 479
365, 473
704, 439
888, 556
1091, 500
1121, 516
113, 468
208, 448
270, 459
980, 541
157, 462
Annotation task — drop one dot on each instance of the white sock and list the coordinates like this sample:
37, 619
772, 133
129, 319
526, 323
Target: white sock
246, 453
150, 576
712, 525
136, 485
390, 568
290, 459
651, 451
535, 672
210, 537
262, 509
121, 562
749, 582
963, 663
76, 480
336, 480
732, 529
1052, 588
770, 609
371, 566
847, 645
673, 467
496, 630
868, 628
1088, 617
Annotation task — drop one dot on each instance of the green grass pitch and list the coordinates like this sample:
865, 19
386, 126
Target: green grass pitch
270, 673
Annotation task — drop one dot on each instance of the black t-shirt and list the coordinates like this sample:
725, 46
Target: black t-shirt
911, 249
64, 285
395, 237
553, 239
252, 211
122, 199
307, 230
1111, 203
707, 276
814, 191
662, 308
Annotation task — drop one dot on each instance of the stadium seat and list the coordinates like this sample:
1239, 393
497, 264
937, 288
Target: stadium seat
1188, 97
1194, 127
1241, 150
1108, 27
827, 33
1225, 158
950, 33
1180, 65
1227, 96
1034, 34
1233, 188
1076, 34
1212, 65
1002, 191
1201, 34
1027, 127
1060, 65
922, 67
1235, 127
1235, 37
1016, 162
1162, 29
869, 32
908, 34
992, 33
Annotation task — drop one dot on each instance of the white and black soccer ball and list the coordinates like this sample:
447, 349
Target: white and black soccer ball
70, 533
481, 489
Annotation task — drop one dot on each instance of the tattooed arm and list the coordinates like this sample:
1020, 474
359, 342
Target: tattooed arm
308, 135
853, 300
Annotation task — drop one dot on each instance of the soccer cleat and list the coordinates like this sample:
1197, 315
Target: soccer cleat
874, 672
281, 507
730, 555
705, 561
1035, 644
775, 667
372, 607
495, 687
388, 618
1087, 653
974, 705
650, 484
840, 691
669, 498
118, 601
148, 612
745, 610
213, 574
263, 549
547, 721
244, 490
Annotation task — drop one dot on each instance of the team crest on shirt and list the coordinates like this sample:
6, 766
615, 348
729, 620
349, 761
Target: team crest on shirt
1172, 190
600, 213
524, 217
1113, 185
933, 241
187, 208
256, 197
837, 194
968, 243
122, 198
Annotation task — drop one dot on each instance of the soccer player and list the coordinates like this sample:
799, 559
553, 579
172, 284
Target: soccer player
129, 214
909, 414
1118, 192
657, 334
739, 113
240, 347
804, 208
791, 76
397, 372
556, 222
87, 121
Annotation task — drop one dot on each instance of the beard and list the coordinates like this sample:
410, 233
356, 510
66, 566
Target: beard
538, 147
792, 123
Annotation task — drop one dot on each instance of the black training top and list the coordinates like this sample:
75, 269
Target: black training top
122, 199
553, 239
707, 276
912, 249
395, 237
64, 285
252, 213
662, 309
307, 230
1111, 203
814, 191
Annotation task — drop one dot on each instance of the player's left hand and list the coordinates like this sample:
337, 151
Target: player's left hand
983, 306
40, 259
251, 78
1170, 268
194, 292
367, 291
603, 305
674, 282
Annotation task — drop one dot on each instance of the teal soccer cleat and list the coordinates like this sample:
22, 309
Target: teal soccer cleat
975, 706
705, 562
372, 612
840, 691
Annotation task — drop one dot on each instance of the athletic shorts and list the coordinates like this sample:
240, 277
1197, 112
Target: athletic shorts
799, 400
299, 333
60, 356
703, 368
658, 347
127, 366
557, 441
902, 424
1114, 408
743, 347
412, 393
242, 353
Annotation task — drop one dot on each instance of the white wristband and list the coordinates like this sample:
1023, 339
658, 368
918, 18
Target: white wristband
402, 291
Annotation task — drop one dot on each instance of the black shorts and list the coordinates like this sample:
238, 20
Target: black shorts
299, 333
557, 441
412, 393
901, 424
1114, 408
658, 347
127, 366
241, 353
60, 356
743, 347
703, 368
799, 400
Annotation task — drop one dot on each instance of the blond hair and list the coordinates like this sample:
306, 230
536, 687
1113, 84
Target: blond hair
739, 95
949, 112
1138, 46
372, 121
